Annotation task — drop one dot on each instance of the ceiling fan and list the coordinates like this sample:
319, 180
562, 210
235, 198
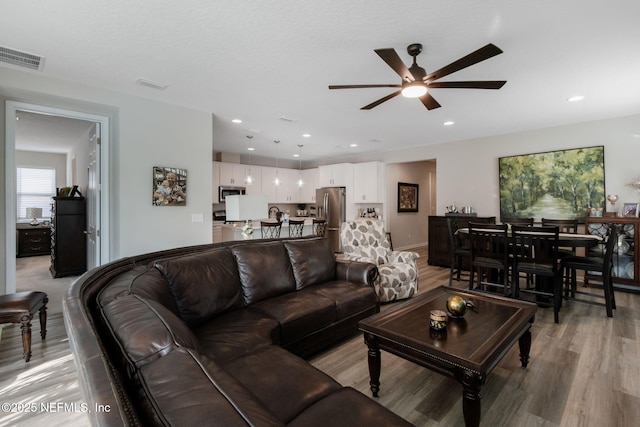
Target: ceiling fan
416, 82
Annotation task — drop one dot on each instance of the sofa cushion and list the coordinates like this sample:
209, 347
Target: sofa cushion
265, 271
151, 285
236, 333
146, 330
203, 285
201, 393
349, 298
284, 383
298, 313
312, 260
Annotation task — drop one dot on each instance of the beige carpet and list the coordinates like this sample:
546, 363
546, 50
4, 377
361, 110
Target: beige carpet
32, 274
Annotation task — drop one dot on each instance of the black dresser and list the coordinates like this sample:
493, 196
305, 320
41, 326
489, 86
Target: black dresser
32, 240
68, 237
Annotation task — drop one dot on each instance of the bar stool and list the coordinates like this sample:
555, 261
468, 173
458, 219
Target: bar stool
319, 226
20, 307
270, 229
296, 227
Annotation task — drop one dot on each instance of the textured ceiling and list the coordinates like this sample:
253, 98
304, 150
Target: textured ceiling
261, 61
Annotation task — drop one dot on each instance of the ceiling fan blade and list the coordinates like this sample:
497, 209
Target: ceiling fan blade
479, 55
359, 86
381, 100
429, 101
487, 84
390, 56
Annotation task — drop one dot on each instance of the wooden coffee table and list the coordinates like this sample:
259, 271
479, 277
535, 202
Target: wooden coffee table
467, 350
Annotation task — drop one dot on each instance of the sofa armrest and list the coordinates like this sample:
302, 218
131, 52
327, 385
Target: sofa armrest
403, 257
356, 271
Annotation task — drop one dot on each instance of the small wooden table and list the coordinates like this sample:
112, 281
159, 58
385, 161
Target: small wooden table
467, 350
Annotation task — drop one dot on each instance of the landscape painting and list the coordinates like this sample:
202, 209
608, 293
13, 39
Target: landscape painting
555, 184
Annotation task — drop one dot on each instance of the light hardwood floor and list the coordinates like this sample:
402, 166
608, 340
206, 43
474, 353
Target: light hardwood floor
584, 371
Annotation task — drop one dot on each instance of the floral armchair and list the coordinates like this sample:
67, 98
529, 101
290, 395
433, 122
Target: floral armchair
366, 240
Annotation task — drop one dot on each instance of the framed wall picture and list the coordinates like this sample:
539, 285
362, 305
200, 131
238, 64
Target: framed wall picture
169, 186
564, 184
407, 197
630, 209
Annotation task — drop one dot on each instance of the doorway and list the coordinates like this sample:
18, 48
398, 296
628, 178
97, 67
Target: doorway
99, 190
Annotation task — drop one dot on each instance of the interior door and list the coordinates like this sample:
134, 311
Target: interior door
93, 199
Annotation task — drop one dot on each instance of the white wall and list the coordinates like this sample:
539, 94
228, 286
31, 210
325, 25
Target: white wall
145, 133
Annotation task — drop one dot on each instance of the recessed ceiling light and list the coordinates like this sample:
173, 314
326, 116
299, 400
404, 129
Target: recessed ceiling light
353, 145
236, 121
576, 98
251, 149
306, 135
449, 123
296, 155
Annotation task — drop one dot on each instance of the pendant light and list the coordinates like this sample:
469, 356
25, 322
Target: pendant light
277, 180
300, 181
248, 180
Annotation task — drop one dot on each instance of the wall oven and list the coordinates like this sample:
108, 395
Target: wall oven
224, 191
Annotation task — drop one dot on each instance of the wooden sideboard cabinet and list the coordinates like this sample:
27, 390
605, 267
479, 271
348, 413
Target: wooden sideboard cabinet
68, 238
626, 259
32, 241
439, 247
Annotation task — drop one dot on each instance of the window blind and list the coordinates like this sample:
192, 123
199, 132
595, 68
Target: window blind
35, 188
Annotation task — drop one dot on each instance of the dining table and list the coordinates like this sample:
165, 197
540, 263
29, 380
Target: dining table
565, 240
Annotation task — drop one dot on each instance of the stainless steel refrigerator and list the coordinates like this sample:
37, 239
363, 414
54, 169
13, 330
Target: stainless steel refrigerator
331, 206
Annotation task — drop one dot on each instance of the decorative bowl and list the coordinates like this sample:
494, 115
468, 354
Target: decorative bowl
438, 320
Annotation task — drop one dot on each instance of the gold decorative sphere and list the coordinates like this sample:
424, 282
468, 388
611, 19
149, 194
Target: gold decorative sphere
456, 305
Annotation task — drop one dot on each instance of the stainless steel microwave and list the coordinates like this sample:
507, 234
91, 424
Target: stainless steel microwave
224, 191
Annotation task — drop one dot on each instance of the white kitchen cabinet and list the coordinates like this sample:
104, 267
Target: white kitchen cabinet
268, 187
288, 190
311, 178
217, 233
338, 175
232, 174
368, 182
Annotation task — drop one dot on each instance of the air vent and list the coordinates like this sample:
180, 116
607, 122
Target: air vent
152, 85
21, 59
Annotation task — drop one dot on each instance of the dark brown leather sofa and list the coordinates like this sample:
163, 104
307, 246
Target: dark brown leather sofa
212, 335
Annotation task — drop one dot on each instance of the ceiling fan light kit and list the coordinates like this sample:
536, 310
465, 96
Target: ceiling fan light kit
416, 82
413, 89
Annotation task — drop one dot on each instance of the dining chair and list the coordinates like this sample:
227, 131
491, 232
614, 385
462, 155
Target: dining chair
270, 229
517, 221
568, 226
458, 251
602, 265
319, 226
535, 253
296, 227
489, 256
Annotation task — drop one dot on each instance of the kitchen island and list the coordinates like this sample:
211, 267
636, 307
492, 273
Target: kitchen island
234, 231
